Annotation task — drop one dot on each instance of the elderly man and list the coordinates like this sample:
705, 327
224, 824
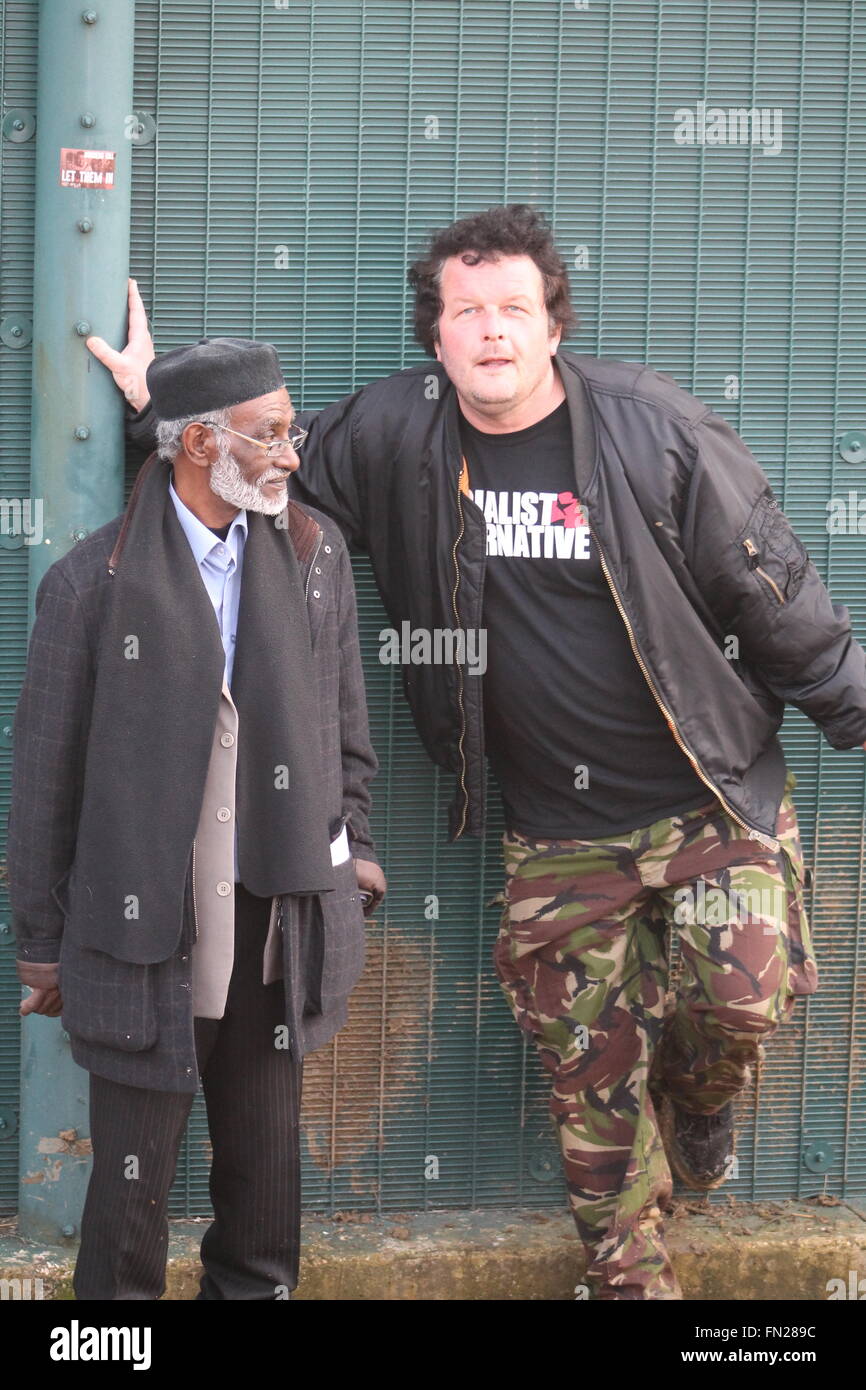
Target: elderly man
188, 836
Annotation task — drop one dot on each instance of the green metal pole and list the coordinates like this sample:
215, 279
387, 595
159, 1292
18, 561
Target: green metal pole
84, 108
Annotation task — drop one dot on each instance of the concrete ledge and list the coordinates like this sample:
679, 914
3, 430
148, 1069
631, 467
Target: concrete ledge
723, 1250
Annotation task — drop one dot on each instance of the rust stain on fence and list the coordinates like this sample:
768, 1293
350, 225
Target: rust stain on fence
369, 1069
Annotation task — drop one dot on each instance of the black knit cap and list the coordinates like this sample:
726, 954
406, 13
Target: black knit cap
212, 374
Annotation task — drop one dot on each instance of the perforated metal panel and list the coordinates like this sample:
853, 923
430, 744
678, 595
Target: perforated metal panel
303, 155
18, 66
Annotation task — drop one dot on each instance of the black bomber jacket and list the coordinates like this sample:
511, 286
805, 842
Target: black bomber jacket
693, 544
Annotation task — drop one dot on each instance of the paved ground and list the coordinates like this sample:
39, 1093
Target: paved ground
722, 1250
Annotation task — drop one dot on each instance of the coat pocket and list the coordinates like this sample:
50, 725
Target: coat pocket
773, 554
802, 965
107, 1001
343, 933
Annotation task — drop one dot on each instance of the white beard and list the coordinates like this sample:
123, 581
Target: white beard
229, 483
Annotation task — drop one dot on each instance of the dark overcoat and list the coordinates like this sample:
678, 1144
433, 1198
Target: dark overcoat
132, 1022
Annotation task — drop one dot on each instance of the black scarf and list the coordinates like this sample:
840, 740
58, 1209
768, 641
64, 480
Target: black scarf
158, 681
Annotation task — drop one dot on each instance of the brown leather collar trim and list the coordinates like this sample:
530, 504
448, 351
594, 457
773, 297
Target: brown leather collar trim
149, 463
303, 531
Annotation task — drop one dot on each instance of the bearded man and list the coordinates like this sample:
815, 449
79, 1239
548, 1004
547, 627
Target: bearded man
188, 836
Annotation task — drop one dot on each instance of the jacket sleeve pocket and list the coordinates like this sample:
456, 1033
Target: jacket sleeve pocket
60, 892
107, 1001
772, 552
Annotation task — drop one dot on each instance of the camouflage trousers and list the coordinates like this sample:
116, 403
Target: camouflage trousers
582, 956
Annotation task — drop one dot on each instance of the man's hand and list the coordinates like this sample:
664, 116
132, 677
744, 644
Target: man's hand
129, 367
41, 978
42, 1001
370, 880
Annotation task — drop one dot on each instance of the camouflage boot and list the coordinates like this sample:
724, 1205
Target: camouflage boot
699, 1148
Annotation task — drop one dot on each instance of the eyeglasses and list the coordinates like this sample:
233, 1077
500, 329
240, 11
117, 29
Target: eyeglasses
276, 446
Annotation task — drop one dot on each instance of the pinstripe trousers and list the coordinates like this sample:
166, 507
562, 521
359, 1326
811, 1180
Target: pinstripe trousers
252, 1093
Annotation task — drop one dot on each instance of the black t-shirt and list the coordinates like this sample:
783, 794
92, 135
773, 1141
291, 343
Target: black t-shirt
576, 740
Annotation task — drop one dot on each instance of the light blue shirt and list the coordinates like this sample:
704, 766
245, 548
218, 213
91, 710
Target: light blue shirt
220, 564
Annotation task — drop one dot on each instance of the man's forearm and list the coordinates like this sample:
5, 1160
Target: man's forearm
141, 428
757, 578
328, 477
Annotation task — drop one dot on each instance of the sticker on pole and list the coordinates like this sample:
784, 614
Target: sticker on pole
87, 168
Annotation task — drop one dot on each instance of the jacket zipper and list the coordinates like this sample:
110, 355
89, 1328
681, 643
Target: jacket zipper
312, 562
460, 741
752, 550
758, 835
194, 905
